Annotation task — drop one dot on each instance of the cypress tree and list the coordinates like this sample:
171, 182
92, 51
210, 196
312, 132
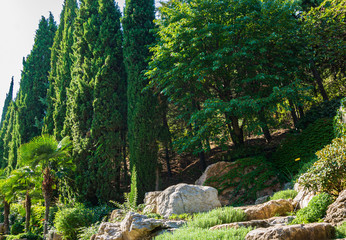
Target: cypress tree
96, 100
142, 134
34, 81
7, 102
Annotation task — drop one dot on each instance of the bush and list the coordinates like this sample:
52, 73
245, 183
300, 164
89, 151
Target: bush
298, 149
328, 174
28, 236
285, 194
68, 221
340, 231
339, 126
326, 109
216, 217
17, 228
315, 210
87, 232
36, 220
185, 233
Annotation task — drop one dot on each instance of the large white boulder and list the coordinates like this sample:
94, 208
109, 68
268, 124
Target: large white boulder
303, 197
184, 198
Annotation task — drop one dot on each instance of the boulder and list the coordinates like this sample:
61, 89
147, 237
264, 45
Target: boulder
269, 209
150, 202
336, 213
116, 215
134, 227
313, 231
303, 197
240, 178
53, 235
262, 199
184, 198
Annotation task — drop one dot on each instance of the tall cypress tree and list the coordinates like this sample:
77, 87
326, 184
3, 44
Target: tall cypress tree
142, 134
7, 102
95, 100
34, 81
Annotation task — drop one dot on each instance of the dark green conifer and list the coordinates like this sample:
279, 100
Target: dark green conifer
7, 102
142, 112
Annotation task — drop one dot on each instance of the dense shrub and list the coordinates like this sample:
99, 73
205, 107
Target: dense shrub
339, 125
68, 221
37, 216
326, 109
328, 174
298, 149
86, 233
216, 217
340, 231
315, 210
199, 233
285, 194
28, 236
17, 228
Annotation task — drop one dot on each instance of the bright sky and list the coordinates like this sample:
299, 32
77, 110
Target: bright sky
18, 22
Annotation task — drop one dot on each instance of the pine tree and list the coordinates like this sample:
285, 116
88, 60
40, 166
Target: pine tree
7, 102
142, 136
34, 81
60, 73
96, 98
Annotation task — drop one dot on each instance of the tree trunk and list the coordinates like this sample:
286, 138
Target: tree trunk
301, 111
157, 180
169, 170
46, 216
236, 132
27, 211
264, 125
293, 113
202, 161
319, 80
166, 142
7, 207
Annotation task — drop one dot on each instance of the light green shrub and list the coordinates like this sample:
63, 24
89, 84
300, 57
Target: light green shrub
285, 194
339, 126
315, 210
328, 174
340, 231
28, 236
199, 233
85, 233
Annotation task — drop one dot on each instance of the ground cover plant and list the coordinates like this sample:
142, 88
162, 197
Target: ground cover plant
340, 231
285, 194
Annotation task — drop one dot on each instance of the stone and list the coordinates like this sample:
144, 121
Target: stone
116, 215
184, 198
150, 202
313, 231
253, 224
336, 213
231, 195
269, 209
303, 197
288, 186
53, 235
134, 227
280, 220
262, 199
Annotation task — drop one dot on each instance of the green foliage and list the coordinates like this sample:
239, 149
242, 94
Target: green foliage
298, 149
68, 221
17, 228
7, 102
186, 233
315, 210
184, 216
87, 232
142, 105
340, 231
285, 194
250, 181
325, 109
37, 216
216, 217
339, 125
28, 236
328, 174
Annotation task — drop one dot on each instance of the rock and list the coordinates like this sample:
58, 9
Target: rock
53, 235
313, 231
236, 174
303, 197
116, 215
253, 224
262, 199
269, 209
280, 220
184, 198
288, 186
150, 202
336, 213
134, 227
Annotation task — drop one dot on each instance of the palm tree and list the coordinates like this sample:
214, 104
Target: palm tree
24, 180
50, 157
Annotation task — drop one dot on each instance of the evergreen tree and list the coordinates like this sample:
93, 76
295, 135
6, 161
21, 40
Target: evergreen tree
34, 81
142, 134
96, 100
60, 73
7, 102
